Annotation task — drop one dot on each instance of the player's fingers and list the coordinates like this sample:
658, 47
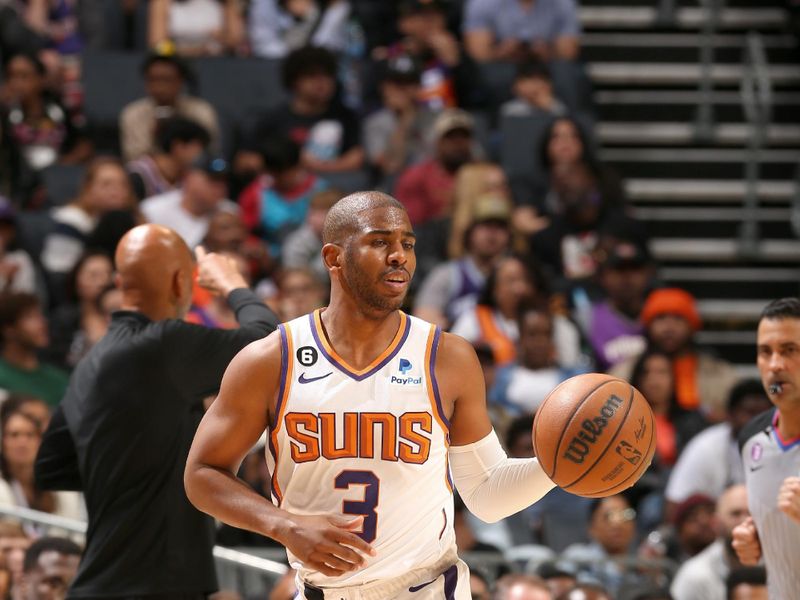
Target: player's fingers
336, 548
346, 523
348, 539
337, 563
317, 562
348, 554
200, 253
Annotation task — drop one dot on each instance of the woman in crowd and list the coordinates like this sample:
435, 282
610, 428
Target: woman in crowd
566, 153
77, 325
105, 188
674, 427
653, 377
36, 131
197, 27
21, 429
493, 320
581, 199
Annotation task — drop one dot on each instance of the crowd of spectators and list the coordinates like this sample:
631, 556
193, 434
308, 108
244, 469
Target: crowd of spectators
543, 269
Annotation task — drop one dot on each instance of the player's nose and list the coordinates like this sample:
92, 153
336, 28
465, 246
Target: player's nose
397, 256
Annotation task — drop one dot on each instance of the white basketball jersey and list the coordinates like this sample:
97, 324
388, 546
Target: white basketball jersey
369, 443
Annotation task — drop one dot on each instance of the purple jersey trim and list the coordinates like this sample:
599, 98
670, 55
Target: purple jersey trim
343, 368
432, 375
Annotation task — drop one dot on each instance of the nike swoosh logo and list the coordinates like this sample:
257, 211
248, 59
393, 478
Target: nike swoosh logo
303, 379
416, 588
752, 469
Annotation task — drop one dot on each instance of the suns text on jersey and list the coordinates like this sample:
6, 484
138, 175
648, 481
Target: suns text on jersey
391, 437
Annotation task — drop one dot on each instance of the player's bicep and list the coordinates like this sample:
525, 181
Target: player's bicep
240, 414
461, 378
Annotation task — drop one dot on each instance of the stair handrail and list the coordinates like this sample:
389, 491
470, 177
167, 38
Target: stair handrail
757, 99
704, 117
241, 561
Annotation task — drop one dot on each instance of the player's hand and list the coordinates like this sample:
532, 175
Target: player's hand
217, 273
745, 542
789, 498
327, 544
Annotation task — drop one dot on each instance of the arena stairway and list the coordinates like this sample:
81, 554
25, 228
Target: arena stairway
690, 193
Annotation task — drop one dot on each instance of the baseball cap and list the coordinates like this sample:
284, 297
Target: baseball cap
452, 119
685, 509
214, 166
624, 253
491, 207
402, 69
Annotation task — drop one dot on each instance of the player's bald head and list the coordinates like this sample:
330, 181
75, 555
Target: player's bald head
345, 217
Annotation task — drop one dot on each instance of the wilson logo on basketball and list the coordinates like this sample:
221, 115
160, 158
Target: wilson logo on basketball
591, 429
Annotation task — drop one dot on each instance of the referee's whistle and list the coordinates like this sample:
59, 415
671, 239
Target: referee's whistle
775, 388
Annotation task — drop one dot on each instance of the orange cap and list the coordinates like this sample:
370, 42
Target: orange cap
671, 301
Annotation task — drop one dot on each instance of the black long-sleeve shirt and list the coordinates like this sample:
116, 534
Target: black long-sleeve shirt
122, 434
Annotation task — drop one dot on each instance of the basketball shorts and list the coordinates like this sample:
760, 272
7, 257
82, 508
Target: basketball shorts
440, 583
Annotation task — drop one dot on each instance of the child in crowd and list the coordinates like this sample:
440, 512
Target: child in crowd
276, 204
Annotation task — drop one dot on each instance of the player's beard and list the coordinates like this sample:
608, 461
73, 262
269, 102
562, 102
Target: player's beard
363, 290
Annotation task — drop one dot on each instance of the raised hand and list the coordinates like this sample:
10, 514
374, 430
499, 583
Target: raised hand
218, 273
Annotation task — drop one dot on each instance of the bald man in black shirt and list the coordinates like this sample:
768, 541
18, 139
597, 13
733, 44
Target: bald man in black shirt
123, 430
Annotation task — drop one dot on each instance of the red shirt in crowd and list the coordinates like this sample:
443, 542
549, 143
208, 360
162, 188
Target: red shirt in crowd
426, 190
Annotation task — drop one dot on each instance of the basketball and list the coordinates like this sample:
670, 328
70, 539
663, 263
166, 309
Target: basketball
594, 435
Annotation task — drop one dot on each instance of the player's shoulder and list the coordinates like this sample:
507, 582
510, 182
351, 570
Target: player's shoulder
261, 353
455, 350
755, 426
447, 346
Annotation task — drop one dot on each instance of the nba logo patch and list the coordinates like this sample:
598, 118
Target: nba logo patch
756, 452
406, 375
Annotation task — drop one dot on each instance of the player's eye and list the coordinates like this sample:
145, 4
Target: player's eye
408, 246
378, 243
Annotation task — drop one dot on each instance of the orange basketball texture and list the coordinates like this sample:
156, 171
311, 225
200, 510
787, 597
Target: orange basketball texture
594, 435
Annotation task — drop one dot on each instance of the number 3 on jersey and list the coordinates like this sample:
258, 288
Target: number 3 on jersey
362, 508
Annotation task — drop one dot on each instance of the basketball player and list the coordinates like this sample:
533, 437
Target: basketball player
770, 446
365, 406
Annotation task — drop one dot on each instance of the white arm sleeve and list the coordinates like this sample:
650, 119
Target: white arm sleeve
492, 485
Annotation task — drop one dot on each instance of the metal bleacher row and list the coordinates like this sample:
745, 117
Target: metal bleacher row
691, 192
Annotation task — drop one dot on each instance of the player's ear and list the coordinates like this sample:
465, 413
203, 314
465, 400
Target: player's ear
332, 256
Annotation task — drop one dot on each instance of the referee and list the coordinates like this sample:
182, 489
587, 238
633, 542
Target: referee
123, 430
770, 446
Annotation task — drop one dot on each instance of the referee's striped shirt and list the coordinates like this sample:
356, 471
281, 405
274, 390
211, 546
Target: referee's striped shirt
768, 460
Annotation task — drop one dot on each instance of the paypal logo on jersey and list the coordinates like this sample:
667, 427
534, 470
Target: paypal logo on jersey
405, 378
